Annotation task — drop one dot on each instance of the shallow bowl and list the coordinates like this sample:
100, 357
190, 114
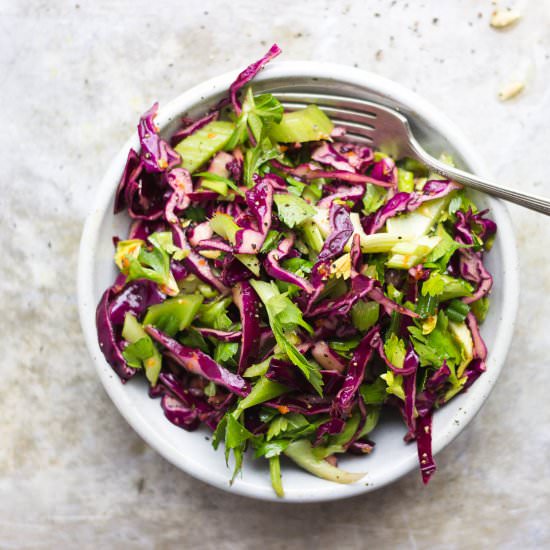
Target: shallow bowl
392, 458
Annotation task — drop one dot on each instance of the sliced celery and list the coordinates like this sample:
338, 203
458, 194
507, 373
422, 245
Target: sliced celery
364, 315
264, 390
224, 226
309, 124
250, 261
405, 180
133, 332
219, 187
301, 452
419, 222
199, 147
174, 314
463, 337
312, 236
407, 254
275, 474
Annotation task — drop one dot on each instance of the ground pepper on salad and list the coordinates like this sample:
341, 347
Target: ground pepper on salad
283, 284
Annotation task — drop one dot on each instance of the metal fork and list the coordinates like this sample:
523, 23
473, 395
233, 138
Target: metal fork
390, 132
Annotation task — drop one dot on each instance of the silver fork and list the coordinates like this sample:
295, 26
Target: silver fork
389, 131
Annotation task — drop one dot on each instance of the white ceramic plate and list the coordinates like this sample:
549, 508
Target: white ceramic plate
392, 458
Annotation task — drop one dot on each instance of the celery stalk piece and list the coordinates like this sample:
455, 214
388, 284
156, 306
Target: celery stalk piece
378, 242
312, 236
301, 452
263, 390
309, 124
199, 147
463, 337
225, 226
174, 314
419, 222
132, 332
275, 474
250, 261
407, 254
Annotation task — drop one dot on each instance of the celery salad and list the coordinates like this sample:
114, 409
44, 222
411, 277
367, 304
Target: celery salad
284, 285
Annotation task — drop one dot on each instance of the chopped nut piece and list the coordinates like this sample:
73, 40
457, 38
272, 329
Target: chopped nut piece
504, 18
511, 90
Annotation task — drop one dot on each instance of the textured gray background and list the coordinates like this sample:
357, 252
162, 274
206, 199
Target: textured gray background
74, 79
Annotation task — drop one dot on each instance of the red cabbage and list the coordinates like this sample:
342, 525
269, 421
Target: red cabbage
309, 171
273, 268
306, 404
179, 414
223, 335
408, 202
343, 402
424, 445
180, 181
156, 154
472, 269
180, 135
139, 191
248, 303
341, 232
201, 232
327, 358
260, 202
195, 262
354, 193
248, 74
108, 341
480, 349
327, 154
409, 387
332, 427
197, 362
385, 170
287, 374
134, 298
233, 271
358, 156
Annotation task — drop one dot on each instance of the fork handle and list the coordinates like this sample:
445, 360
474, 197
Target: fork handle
533, 202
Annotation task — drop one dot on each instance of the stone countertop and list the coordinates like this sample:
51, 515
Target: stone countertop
75, 77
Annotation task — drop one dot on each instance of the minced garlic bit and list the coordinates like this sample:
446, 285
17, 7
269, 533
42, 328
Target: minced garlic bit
501, 19
511, 90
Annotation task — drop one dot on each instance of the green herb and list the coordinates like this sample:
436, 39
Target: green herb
293, 210
373, 199
394, 349
445, 287
405, 180
364, 314
271, 241
175, 314
211, 179
480, 308
255, 157
258, 113
456, 311
375, 393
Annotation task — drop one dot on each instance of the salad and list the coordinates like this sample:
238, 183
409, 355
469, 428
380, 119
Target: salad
284, 285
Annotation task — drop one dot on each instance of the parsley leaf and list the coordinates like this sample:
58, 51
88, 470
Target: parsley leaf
284, 318
293, 210
138, 352
394, 348
255, 157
